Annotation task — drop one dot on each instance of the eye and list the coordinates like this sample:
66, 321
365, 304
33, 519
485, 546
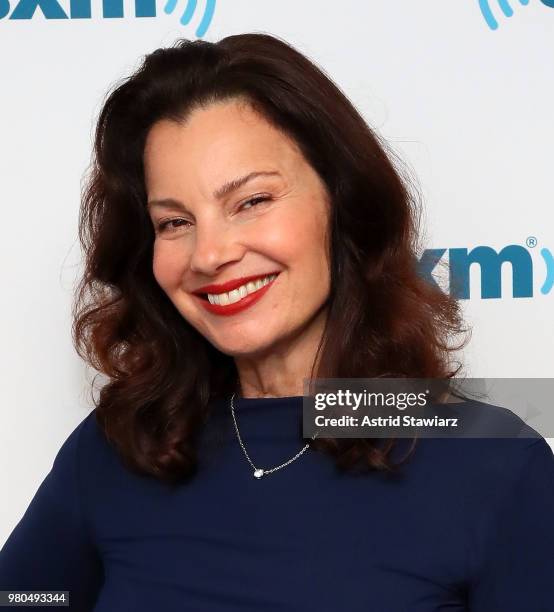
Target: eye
253, 201
168, 225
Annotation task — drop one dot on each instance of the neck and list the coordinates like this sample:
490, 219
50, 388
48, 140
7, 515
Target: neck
280, 370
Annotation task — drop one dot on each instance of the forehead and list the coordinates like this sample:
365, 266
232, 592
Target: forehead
222, 139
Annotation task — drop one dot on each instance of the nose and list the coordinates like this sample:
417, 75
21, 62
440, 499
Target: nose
215, 244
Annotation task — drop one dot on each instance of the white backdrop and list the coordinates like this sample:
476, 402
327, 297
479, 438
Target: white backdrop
468, 107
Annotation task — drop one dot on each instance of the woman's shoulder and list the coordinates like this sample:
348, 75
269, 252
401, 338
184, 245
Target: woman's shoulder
86, 434
483, 419
86, 450
494, 449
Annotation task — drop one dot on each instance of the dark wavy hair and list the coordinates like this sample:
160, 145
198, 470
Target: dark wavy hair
384, 318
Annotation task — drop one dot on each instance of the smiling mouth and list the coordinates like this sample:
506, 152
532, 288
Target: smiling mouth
227, 298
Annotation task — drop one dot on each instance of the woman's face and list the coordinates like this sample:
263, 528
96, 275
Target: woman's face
232, 197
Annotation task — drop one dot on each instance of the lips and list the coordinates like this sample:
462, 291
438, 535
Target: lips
229, 285
235, 307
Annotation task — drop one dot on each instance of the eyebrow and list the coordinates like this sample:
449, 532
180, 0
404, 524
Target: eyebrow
219, 193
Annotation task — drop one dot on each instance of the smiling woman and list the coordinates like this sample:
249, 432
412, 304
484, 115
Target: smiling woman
244, 230
254, 228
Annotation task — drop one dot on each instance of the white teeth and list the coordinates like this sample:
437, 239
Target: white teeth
223, 299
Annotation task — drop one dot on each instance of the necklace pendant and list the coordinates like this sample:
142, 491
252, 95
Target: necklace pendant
258, 473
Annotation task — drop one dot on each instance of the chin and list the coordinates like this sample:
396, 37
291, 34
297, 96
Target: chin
244, 347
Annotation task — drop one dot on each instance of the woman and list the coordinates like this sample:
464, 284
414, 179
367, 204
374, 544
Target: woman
245, 230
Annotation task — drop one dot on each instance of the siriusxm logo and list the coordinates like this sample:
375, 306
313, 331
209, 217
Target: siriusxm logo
81, 9
490, 263
504, 5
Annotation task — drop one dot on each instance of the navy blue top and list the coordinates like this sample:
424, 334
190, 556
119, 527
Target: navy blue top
468, 526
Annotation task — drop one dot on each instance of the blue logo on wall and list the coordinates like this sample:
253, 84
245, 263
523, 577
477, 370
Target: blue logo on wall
504, 5
490, 261
81, 9
189, 12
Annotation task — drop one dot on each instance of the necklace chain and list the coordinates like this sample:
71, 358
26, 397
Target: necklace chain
259, 472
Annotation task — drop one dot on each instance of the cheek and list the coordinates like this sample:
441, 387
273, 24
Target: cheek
295, 234
167, 265
276, 239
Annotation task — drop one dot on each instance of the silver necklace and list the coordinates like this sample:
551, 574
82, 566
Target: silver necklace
259, 472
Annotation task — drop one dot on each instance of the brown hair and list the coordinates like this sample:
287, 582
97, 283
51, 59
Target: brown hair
384, 319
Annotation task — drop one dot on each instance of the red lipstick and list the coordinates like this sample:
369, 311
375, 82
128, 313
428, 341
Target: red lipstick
242, 304
230, 285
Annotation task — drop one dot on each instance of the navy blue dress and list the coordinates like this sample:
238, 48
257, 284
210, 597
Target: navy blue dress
468, 526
